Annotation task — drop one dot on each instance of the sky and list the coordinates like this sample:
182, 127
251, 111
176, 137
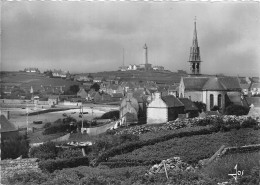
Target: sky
85, 37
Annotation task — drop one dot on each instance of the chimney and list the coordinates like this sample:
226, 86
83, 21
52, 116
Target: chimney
157, 95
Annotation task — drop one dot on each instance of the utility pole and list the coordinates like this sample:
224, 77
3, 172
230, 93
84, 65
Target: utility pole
92, 115
81, 109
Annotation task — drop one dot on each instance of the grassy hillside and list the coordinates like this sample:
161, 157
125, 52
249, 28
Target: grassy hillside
194, 148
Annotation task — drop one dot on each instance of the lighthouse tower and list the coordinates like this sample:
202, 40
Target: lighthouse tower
194, 59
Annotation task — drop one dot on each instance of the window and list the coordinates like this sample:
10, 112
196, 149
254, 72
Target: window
211, 100
219, 100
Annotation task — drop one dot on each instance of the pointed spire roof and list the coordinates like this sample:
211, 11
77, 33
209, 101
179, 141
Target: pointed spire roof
195, 50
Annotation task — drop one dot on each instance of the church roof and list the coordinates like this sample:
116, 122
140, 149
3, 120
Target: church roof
172, 101
6, 126
211, 83
194, 83
230, 83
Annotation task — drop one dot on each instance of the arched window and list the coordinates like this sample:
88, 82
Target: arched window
211, 100
219, 100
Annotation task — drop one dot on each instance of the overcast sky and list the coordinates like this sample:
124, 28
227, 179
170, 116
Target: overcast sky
90, 36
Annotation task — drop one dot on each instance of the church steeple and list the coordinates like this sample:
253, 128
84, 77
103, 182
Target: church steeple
195, 53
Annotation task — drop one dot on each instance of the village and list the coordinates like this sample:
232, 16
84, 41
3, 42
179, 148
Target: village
138, 123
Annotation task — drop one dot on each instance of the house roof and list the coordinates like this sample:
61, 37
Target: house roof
117, 95
172, 101
234, 97
173, 88
255, 85
188, 104
53, 97
244, 86
253, 100
6, 126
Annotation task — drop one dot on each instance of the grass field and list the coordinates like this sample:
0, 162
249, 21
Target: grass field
194, 148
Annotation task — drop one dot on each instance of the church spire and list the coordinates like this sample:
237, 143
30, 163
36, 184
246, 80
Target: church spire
195, 53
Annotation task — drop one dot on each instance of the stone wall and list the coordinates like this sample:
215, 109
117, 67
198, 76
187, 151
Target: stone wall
10, 167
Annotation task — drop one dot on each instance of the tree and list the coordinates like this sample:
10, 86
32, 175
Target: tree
72, 90
15, 147
237, 110
48, 73
201, 106
95, 86
215, 108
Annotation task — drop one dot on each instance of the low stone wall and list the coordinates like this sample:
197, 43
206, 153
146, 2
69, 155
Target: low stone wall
10, 167
241, 149
101, 129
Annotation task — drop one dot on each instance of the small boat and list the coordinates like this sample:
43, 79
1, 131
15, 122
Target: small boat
37, 122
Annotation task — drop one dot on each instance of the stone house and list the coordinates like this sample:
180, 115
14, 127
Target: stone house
212, 91
129, 110
173, 90
82, 93
163, 109
255, 88
53, 100
98, 79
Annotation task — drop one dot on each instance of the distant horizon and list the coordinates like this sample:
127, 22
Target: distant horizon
75, 73
92, 36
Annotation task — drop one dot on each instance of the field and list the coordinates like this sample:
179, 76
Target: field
28, 80
194, 148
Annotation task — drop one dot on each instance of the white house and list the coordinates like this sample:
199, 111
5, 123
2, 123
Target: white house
163, 109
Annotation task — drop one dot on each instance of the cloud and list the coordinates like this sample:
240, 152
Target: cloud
88, 37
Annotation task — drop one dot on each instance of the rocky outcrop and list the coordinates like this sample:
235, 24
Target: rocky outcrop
172, 164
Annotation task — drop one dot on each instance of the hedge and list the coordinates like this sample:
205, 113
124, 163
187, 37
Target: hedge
129, 147
52, 165
56, 129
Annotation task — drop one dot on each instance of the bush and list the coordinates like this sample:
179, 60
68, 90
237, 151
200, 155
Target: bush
47, 125
237, 110
56, 129
110, 115
52, 165
28, 178
15, 147
69, 153
45, 151
249, 123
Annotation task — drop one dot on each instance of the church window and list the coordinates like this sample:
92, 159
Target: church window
219, 100
211, 100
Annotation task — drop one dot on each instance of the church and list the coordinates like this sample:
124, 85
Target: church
211, 90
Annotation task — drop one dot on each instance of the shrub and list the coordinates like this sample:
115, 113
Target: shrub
237, 110
250, 122
52, 165
15, 147
47, 125
201, 106
215, 108
56, 129
69, 153
45, 151
28, 178
110, 115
